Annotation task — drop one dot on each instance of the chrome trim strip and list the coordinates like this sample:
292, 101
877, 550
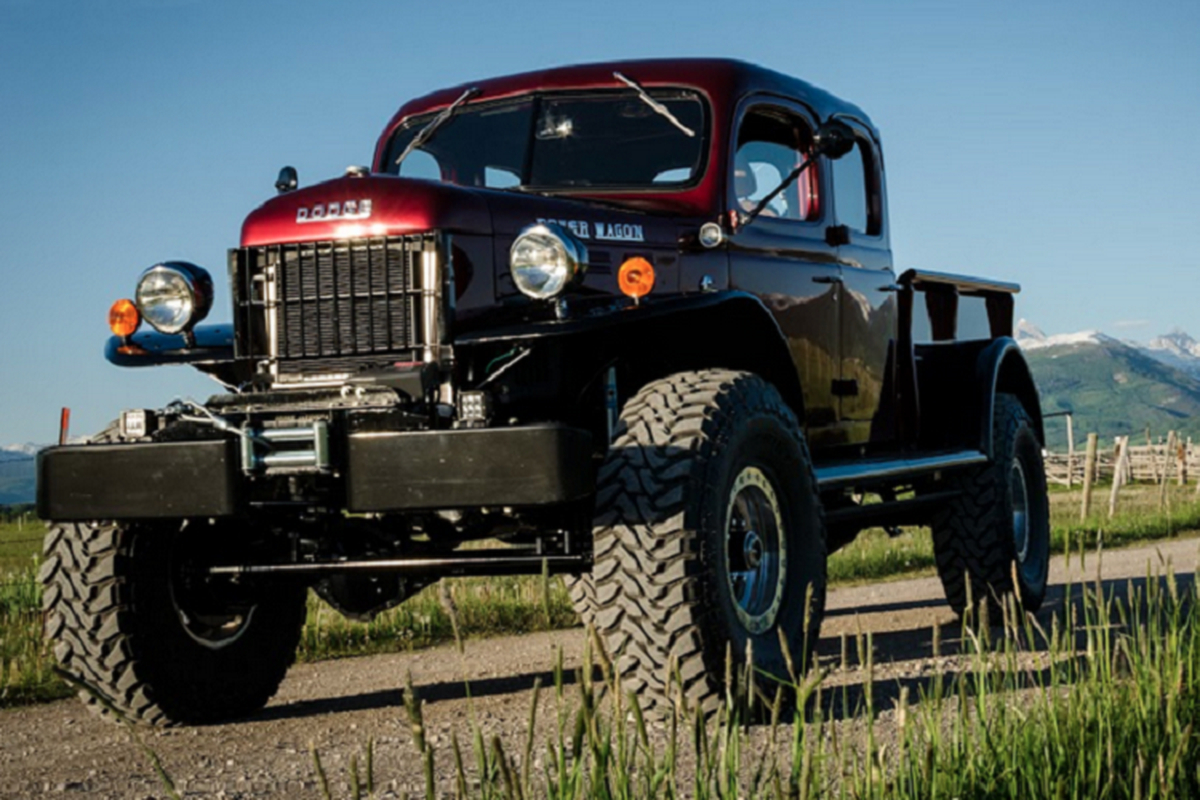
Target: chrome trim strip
846, 474
271, 298
430, 296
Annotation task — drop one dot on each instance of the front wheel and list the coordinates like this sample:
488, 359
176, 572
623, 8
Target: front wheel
999, 526
709, 539
133, 616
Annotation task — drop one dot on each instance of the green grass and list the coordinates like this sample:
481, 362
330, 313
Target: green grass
20, 543
496, 606
26, 665
484, 606
1102, 704
876, 556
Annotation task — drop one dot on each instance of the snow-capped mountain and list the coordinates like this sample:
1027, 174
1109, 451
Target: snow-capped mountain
1115, 386
1176, 349
19, 452
1031, 337
1178, 342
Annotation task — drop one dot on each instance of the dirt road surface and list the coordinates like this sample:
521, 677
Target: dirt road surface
62, 749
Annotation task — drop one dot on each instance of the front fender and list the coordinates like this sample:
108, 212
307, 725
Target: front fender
729, 329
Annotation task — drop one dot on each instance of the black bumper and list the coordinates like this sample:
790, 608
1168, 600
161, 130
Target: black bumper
529, 466
401, 471
138, 481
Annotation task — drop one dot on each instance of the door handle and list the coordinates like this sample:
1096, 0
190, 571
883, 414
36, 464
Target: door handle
827, 279
891, 287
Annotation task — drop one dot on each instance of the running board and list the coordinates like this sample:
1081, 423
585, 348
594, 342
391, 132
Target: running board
846, 474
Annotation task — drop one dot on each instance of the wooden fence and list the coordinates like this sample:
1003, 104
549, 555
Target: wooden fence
1169, 460
1180, 460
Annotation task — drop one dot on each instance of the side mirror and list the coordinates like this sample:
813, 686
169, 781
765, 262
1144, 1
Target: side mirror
287, 181
833, 139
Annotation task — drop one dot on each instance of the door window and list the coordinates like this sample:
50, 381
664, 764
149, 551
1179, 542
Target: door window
856, 190
770, 144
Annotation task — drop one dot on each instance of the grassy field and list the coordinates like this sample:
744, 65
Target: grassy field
496, 606
1100, 704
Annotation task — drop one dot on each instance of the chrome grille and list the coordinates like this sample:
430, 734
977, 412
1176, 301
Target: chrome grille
333, 307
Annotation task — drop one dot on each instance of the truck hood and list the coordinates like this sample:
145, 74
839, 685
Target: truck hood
385, 205
374, 205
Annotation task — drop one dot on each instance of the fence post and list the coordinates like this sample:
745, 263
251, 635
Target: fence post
1089, 476
1167, 461
1119, 469
1153, 456
1187, 459
1070, 452
1181, 460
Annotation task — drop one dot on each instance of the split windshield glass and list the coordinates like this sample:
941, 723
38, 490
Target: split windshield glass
610, 140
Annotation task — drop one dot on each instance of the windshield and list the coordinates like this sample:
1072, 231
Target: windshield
613, 140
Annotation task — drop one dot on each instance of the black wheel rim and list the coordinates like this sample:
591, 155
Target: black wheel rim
1029, 551
208, 619
756, 551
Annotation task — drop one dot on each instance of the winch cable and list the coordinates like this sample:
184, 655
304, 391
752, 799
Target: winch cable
209, 418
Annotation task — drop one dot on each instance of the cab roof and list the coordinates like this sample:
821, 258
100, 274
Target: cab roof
723, 80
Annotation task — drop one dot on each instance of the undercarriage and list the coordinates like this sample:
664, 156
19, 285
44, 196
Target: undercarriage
350, 492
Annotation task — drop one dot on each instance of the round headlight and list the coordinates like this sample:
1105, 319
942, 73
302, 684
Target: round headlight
174, 296
545, 259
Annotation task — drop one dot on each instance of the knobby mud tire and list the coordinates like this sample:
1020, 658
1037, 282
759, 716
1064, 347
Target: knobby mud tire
109, 610
658, 595
973, 537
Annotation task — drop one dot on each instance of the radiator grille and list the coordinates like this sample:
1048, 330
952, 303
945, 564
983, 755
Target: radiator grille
337, 305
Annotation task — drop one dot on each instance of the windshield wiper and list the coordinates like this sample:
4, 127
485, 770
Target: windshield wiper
426, 133
658, 107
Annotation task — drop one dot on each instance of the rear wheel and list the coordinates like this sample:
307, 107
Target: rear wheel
709, 539
999, 527
133, 617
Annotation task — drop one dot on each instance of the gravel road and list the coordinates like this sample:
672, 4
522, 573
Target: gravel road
61, 748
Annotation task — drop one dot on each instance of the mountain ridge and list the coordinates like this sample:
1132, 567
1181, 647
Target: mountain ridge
1114, 386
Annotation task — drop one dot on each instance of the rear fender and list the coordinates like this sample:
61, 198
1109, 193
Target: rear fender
957, 383
1001, 367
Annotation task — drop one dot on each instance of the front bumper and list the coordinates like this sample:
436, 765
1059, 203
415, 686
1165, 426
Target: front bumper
380, 471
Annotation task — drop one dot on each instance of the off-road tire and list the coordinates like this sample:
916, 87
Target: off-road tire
109, 608
582, 591
660, 595
973, 536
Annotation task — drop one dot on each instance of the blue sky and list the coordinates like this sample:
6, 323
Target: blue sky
1045, 142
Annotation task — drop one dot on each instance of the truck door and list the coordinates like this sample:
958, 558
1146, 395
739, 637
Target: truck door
782, 256
866, 388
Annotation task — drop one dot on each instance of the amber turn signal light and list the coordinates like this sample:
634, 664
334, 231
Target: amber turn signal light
636, 277
123, 318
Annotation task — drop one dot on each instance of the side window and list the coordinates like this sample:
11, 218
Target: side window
500, 178
421, 164
855, 191
770, 144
